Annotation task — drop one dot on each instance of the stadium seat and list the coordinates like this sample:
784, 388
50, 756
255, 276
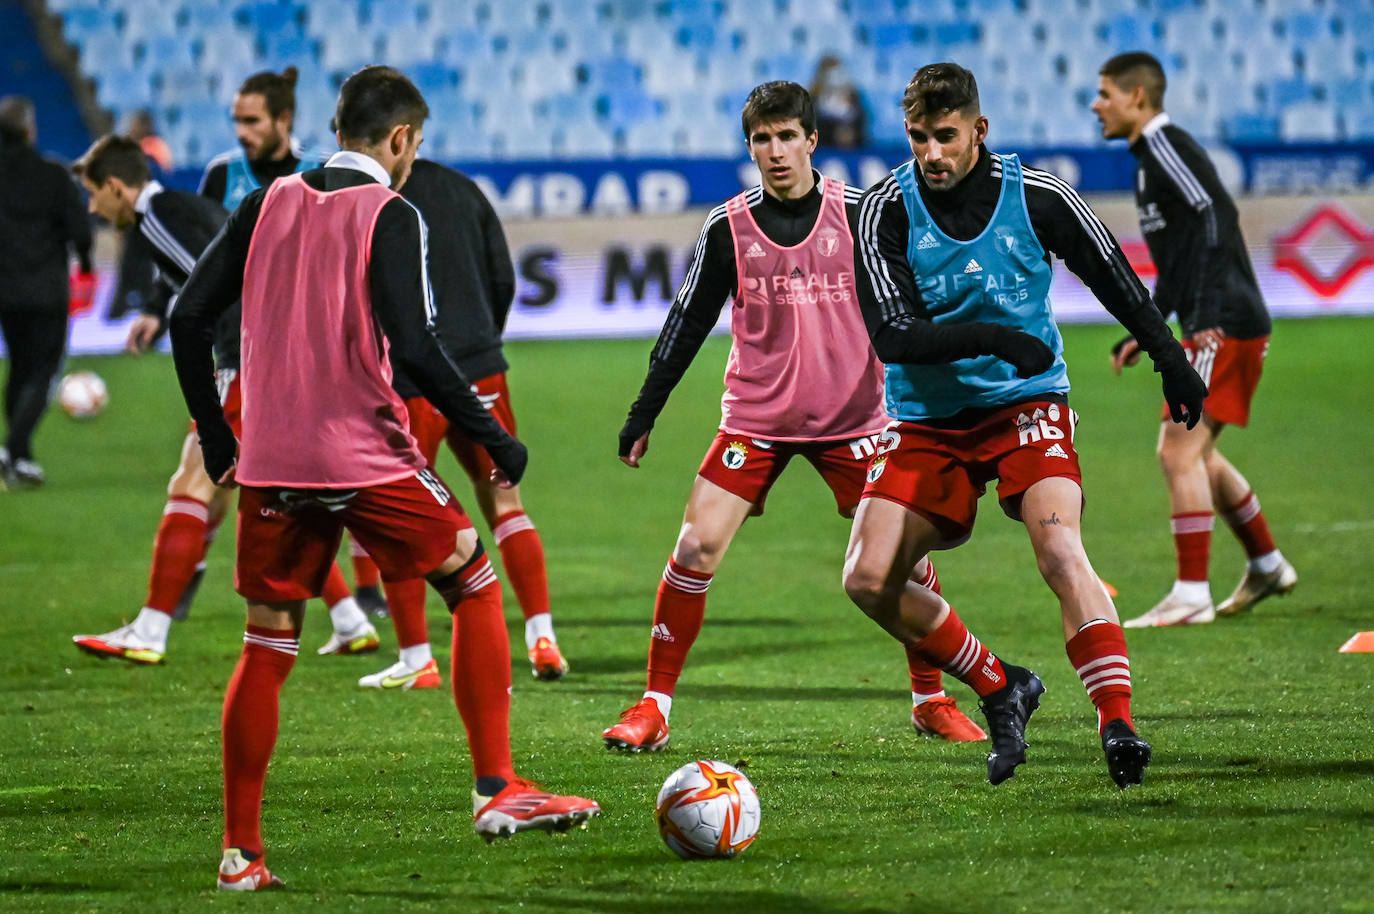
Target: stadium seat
346, 50
270, 16
389, 14
124, 87
288, 47
79, 22
433, 77
464, 46
209, 18
622, 108
402, 46
1250, 127
610, 73
323, 16
654, 139
1309, 122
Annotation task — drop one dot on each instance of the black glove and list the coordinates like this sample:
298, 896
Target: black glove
1121, 344
511, 457
634, 429
1184, 391
218, 446
1027, 354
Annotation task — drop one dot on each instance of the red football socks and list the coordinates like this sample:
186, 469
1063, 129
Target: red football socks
177, 549
679, 610
1193, 543
1247, 522
335, 586
953, 648
407, 602
365, 573
480, 665
1098, 654
249, 727
522, 554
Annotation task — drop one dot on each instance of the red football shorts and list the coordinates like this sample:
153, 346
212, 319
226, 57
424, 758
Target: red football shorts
941, 473
430, 427
288, 538
748, 467
1231, 372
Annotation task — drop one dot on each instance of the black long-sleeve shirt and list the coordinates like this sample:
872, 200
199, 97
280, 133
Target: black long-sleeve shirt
41, 219
1065, 226
1192, 229
398, 282
469, 266
174, 227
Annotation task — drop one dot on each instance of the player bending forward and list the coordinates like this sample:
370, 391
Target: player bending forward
330, 265
801, 381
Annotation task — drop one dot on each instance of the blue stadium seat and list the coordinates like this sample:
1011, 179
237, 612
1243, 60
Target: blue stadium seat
700, 37
346, 49
1282, 93
610, 73
1357, 121
1304, 27
164, 51
433, 77
888, 36
323, 16
588, 141
387, 14
864, 10
651, 139
464, 46
288, 47
401, 46
1309, 122
1250, 127
950, 35
621, 108
124, 87
209, 18
79, 22
699, 11
183, 85
269, 16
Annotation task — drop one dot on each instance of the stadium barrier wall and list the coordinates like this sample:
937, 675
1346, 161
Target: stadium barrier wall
616, 277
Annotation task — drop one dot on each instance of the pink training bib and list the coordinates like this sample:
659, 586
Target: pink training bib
318, 407
801, 367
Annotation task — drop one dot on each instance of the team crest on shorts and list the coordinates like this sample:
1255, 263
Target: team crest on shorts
875, 469
734, 455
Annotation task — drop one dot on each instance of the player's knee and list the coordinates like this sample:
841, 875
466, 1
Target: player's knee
697, 552
866, 587
1062, 568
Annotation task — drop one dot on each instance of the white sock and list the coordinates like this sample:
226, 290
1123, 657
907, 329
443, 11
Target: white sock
920, 698
664, 702
347, 617
417, 656
540, 625
151, 625
1195, 592
1267, 563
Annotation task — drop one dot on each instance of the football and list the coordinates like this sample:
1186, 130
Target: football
82, 394
708, 809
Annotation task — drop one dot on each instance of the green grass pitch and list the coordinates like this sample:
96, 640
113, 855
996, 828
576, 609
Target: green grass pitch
1260, 798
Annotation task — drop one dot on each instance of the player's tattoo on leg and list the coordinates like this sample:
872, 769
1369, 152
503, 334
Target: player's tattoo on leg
1051, 521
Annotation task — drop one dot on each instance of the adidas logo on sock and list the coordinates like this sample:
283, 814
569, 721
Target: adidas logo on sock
1055, 450
755, 250
972, 267
660, 631
927, 242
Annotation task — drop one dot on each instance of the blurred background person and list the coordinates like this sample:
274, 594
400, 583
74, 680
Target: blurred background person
841, 118
41, 222
143, 130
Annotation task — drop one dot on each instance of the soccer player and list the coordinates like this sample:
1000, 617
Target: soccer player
325, 446
41, 225
955, 246
264, 112
1205, 277
174, 227
474, 284
801, 381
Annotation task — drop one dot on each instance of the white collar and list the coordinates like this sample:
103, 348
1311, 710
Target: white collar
1155, 124
145, 196
346, 158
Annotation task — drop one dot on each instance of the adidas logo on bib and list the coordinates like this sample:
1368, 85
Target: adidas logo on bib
755, 251
927, 242
972, 267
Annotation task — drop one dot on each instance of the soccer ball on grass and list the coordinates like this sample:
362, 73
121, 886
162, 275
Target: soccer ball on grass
82, 394
707, 809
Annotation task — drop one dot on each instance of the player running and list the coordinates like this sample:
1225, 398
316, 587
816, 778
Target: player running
326, 446
801, 381
474, 284
955, 250
172, 228
1192, 228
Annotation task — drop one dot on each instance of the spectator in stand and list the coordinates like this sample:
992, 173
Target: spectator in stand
841, 119
143, 130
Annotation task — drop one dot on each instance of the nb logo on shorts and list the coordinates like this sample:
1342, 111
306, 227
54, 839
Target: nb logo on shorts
734, 455
875, 469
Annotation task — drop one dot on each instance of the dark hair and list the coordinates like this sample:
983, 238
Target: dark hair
779, 100
114, 156
278, 90
373, 101
16, 120
939, 88
1137, 68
